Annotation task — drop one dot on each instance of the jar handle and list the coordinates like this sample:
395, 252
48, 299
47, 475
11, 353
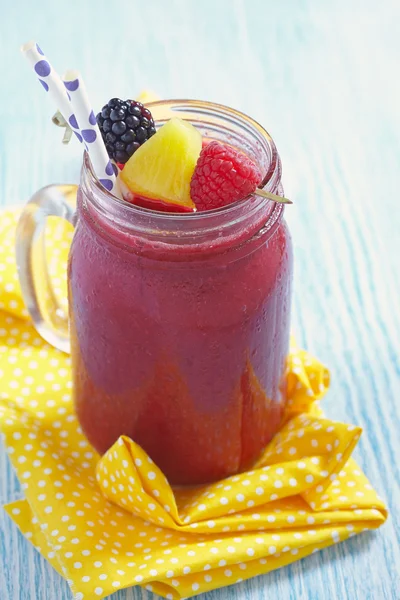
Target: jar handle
49, 318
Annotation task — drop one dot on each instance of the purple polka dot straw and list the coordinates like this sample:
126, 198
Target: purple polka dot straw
50, 81
90, 130
71, 100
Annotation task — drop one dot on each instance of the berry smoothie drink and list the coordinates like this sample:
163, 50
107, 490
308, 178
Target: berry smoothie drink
180, 319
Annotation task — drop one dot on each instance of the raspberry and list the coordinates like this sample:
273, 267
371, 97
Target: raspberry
124, 126
222, 176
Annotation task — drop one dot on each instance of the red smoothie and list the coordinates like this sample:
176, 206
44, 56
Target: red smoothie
180, 331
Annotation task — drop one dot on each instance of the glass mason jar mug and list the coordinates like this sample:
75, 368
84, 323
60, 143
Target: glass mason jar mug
178, 323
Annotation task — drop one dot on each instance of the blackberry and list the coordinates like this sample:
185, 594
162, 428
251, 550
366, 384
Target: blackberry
125, 126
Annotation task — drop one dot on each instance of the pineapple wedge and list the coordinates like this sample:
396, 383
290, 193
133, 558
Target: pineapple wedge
161, 169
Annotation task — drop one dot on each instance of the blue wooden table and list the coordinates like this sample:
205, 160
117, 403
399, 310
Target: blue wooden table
323, 77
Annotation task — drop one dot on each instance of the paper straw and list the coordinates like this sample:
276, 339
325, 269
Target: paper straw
62, 94
51, 82
90, 131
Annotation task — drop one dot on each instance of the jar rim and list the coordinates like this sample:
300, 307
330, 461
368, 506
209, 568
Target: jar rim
128, 215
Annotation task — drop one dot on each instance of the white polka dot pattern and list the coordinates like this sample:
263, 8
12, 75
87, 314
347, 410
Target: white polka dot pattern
114, 522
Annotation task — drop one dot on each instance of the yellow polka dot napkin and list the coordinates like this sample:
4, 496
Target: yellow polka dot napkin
113, 522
